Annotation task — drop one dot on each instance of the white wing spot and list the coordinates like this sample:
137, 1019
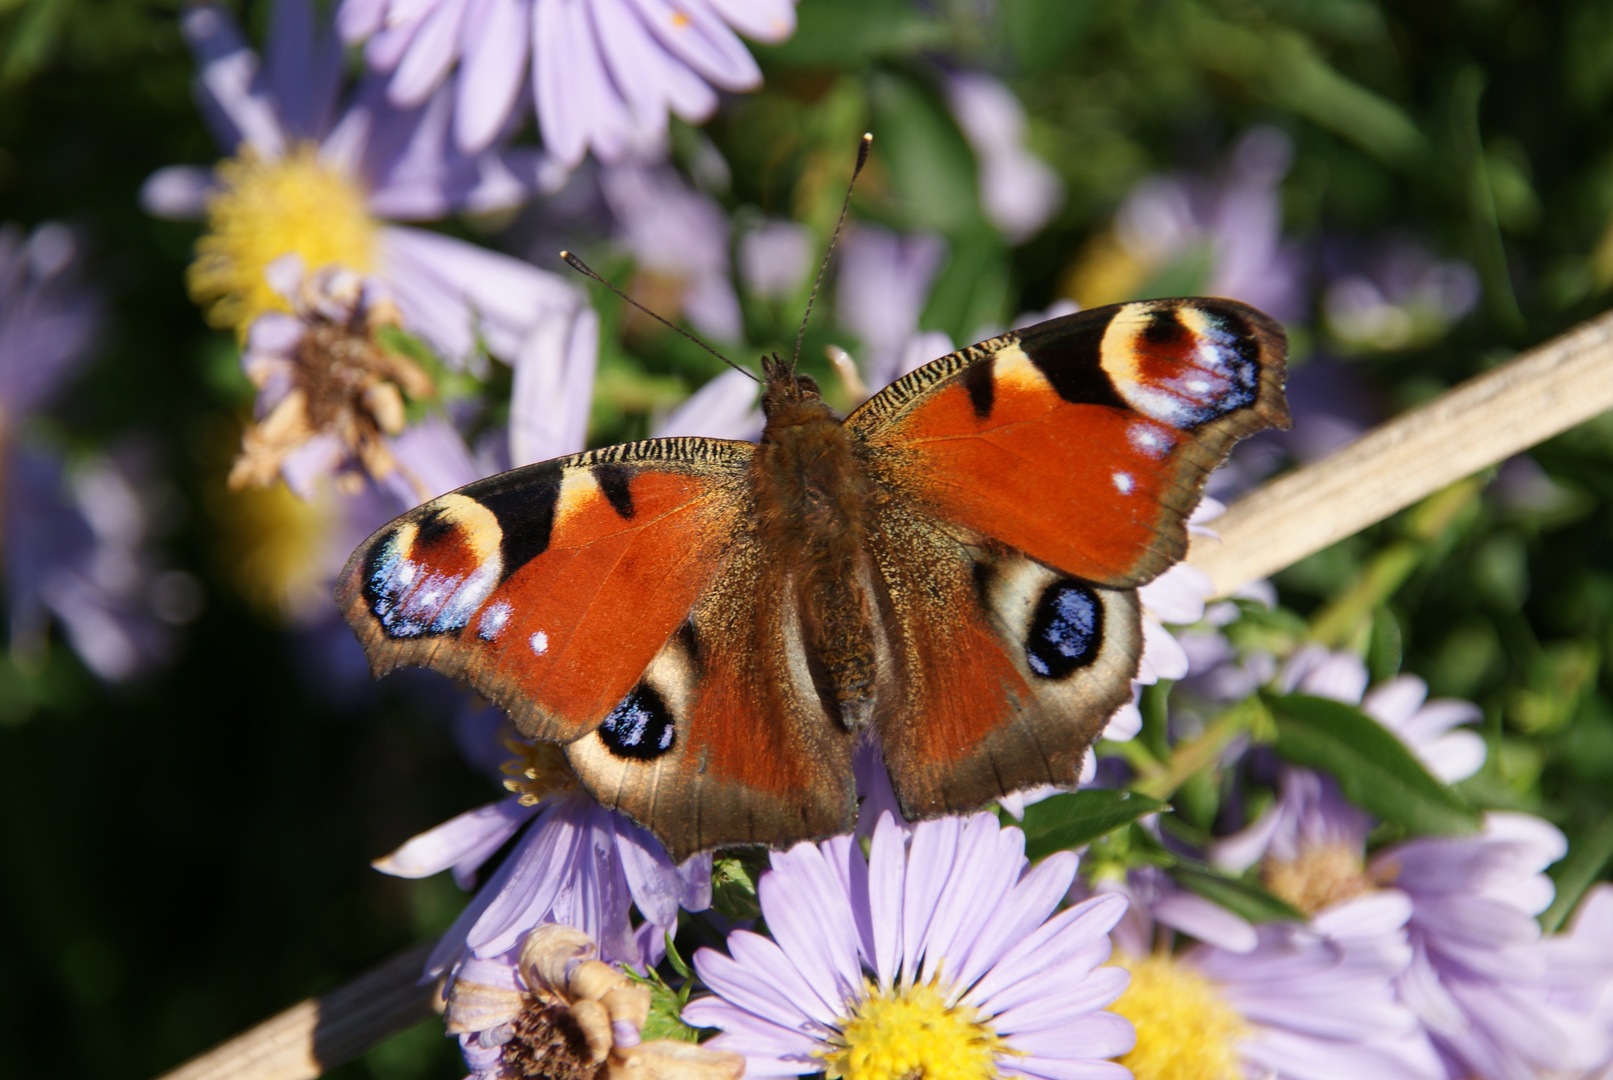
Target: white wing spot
1124, 483
493, 620
539, 643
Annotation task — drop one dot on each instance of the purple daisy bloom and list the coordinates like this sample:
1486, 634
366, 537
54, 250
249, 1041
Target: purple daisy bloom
1430, 729
938, 954
575, 863
1403, 298
76, 540
604, 74
316, 174
679, 238
1500, 1001
49, 319
1301, 1002
884, 280
1236, 220
1019, 191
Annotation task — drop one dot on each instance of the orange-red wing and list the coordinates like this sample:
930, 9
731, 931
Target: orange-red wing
725, 740
1083, 441
1008, 669
552, 587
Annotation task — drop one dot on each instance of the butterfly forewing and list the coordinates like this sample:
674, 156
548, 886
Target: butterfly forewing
551, 587
1082, 441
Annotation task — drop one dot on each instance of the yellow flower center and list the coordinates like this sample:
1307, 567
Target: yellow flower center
1184, 1030
1321, 876
538, 770
912, 1033
265, 209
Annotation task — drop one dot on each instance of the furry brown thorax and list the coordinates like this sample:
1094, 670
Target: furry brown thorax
813, 495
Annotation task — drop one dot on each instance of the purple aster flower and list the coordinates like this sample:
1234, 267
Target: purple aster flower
725, 408
775, 258
679, 238
605, 74
1234, 221
574, 863
940, 954
550, 1009
316, 173
1499, 1001
1403, 298
48, 318
78, 550
1430, 729
1019, 192
1298, 1002
76, 545
884, 280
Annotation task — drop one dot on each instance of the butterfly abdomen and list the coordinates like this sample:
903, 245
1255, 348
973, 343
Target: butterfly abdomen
814, 500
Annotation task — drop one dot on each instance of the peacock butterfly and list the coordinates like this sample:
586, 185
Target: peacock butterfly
709, 627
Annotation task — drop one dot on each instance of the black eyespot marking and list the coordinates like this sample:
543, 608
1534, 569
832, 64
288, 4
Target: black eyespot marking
1066, 633
612, 481
1069, 351
523, 503
1165, 329
640, 727
981, 382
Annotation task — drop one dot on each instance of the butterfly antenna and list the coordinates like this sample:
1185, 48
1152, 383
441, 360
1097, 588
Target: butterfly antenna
587, 271
845, 205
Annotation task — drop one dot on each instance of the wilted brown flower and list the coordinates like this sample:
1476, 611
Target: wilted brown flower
577, 1019
328, 387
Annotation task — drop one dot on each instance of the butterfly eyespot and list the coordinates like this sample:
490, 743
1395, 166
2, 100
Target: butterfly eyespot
1182, 364
640, 727
539, 643
431, 573
1066, 633
1124, 482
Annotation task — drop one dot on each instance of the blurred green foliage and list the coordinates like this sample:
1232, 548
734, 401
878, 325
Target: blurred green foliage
185, 857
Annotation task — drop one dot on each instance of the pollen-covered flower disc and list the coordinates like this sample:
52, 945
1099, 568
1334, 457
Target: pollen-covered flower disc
942, 955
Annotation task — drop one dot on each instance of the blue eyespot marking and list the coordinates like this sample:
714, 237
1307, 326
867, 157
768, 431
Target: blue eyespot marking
640, 727
1066, 633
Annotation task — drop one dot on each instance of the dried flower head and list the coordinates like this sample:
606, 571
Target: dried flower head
328, 385
566, 1015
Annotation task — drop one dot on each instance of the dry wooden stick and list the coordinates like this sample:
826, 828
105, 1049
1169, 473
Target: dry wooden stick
314, 1036
1487, 419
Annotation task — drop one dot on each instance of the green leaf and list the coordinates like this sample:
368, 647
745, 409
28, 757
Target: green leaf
666, 1006
733, 886
675, 958
852, 33
1236, 895
1042, 33
930, 165
1373, 767
1080, 817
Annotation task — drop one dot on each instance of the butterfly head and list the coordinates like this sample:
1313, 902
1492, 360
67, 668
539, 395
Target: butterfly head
787, 397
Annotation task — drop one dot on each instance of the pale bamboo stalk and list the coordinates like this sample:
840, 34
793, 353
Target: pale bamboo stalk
316, 1035
1489, 418
1485, 420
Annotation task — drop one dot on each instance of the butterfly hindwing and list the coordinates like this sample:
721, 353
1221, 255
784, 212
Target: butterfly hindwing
1009, 669
1083, 441
726, 740
550, 588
